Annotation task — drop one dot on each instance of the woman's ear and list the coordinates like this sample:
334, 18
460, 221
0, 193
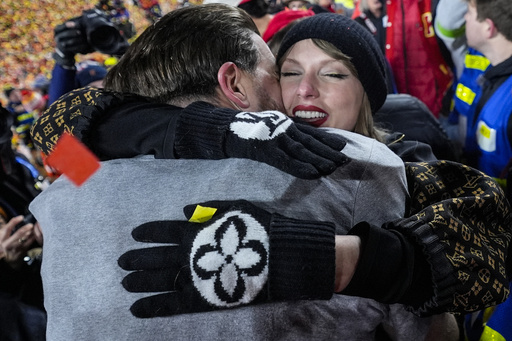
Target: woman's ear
232, 85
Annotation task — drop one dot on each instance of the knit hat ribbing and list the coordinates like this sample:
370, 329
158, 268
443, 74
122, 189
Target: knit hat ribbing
352, 39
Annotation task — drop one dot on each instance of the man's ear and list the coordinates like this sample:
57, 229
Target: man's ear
231, 83
491, 29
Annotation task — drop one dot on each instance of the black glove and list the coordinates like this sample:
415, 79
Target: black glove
69, 40
206, 132
242, 255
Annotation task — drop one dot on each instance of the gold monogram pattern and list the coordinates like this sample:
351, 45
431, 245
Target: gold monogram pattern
61, 117
74, 113
463, 220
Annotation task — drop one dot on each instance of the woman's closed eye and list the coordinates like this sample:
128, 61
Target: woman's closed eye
289, 73
337, 75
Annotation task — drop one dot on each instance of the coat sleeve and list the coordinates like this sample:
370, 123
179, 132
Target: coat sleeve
62, 82
91, 115
461, 220
449, 254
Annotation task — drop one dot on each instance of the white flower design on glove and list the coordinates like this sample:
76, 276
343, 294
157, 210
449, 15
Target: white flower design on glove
229, 261
260, 126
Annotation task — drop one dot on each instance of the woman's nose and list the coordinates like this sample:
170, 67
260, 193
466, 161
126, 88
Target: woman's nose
307, 87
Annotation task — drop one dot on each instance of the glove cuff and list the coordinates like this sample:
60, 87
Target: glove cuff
385, 267
201, 132
301, 260
443, 279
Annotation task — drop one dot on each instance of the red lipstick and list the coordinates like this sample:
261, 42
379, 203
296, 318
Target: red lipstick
310, 114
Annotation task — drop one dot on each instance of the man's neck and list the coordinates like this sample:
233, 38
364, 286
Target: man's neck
184, 102
499, 50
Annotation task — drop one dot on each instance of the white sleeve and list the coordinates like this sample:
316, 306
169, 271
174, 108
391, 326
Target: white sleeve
449, 25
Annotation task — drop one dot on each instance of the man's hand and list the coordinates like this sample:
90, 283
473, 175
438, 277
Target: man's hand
69, 41
242, 255
270, 137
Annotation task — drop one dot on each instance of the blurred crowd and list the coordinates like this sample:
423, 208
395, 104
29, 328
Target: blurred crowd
27, 41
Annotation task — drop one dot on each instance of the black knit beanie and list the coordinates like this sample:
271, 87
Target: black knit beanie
353, 40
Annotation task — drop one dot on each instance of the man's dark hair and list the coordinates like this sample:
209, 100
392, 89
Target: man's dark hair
499, 11
178, 57
255, 8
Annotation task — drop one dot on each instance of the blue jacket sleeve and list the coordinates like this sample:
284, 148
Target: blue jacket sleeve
63, 81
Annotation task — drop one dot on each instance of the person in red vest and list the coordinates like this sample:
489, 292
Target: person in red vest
411, 47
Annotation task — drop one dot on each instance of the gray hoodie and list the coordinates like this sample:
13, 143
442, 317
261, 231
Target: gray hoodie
86, 229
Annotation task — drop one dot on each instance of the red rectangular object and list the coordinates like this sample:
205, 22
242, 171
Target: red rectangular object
73, 159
